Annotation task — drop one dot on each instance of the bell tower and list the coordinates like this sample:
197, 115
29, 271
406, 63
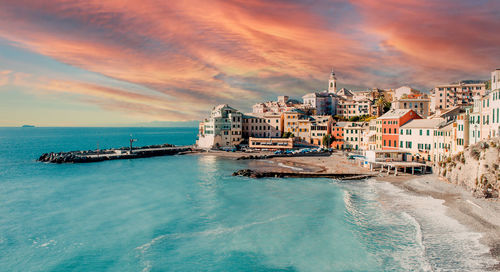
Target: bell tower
332, 83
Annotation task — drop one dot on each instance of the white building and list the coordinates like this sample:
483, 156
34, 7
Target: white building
223, 128
495, 104
417, 137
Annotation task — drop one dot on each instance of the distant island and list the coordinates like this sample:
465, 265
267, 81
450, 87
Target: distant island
28, 126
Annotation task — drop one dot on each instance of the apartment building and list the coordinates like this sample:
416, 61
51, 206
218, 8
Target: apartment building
442, 142
457, 94
391, 122
261, 126
420, 105
417, 137
222, 129
291, 121
353, 135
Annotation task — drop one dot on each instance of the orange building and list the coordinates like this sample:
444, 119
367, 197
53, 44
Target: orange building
338, 135
391, 122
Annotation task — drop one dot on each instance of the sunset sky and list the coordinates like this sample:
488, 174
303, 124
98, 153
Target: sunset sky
117, 62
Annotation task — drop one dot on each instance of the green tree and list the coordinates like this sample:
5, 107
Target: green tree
327, 140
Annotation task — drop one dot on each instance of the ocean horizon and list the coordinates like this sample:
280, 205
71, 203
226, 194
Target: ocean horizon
187, 213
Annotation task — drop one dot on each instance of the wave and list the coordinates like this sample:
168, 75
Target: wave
217, 231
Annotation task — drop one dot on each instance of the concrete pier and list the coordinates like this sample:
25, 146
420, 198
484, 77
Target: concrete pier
113, 154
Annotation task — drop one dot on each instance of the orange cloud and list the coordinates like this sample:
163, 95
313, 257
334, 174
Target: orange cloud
194, 54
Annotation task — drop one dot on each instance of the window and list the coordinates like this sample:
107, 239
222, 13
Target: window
420, 132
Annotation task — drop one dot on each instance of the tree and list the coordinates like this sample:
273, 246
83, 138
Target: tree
383, 105
327, 140
354, 119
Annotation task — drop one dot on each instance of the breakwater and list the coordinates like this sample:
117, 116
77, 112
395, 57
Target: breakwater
87, 156
265, 174
269, 156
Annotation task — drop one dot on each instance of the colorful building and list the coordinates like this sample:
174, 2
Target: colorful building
391, 122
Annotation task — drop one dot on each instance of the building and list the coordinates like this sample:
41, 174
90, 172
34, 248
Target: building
320, 127
461, 132
324, 102
457, 94
391, 122
291, 121
442, 142
222, 129
370, 142
261, 125
270, 143
404, 91
350, 108
353, 135
474, 114
420, 105
417, 137
494, 98
338, 135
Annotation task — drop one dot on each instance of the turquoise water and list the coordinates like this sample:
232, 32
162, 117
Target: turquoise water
187, 213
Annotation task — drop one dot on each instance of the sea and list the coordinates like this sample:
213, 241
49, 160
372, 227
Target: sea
187, 213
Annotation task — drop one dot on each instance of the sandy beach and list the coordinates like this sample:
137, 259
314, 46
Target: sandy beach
478, 215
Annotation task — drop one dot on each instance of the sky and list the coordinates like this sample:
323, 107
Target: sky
119, 62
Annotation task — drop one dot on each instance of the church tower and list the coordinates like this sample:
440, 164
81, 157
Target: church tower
332, 83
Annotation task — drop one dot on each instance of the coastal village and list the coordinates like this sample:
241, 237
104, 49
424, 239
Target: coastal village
425, 127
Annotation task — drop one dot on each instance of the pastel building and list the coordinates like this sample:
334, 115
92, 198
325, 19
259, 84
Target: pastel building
420, 105
475, 122
391, 122
291, 121
353, 135
442, 142
261, 126
457, 94
494, 98
338, 134
324, 102
417, 137
320, 127
222, 129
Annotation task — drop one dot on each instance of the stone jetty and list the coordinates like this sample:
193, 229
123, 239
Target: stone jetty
87, 156
289, 155
265, 174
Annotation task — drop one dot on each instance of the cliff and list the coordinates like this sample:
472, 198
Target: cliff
477, 168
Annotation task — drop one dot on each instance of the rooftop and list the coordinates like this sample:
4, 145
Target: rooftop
423, 123
394, 113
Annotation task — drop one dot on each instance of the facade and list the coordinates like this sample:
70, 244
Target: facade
462, 133
495, 111
443, 142
391, 122
420, 105
270, 143
475, 122
350, 108
353, 135
291, 121
404, 91
263, 126
338, 135
457, 94
417, 137
320, 126
324, 102
222, 129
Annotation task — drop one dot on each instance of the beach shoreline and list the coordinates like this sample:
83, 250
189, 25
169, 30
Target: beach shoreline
476, 214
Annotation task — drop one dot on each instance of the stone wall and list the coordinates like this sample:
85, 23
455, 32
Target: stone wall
477, 168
